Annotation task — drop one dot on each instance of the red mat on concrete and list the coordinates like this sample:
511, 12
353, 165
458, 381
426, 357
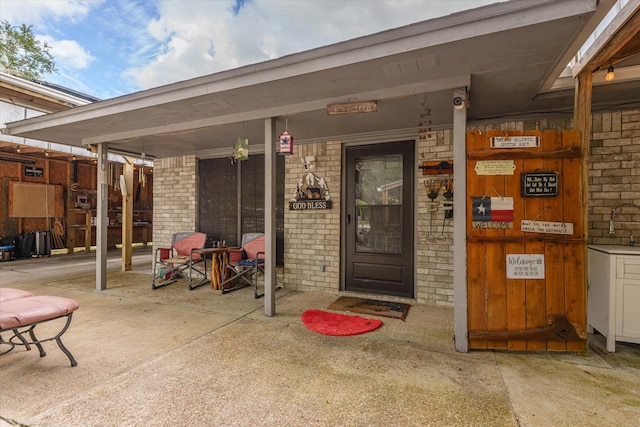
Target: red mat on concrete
335, 324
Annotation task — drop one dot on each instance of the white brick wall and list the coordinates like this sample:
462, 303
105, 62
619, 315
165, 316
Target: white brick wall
175, 201
434, 243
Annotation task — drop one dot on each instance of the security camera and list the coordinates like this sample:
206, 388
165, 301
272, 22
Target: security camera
458, 103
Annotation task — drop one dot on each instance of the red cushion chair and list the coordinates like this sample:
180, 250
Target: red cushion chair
180, 260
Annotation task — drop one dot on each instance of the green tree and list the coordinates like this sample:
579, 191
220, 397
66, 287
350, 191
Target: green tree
21, 54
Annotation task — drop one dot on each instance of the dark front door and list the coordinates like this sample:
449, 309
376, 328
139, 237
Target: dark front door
379, 219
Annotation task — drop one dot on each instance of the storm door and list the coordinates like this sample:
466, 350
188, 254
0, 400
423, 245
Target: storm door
378, 238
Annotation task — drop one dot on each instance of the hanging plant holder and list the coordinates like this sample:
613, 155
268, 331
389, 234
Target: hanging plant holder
241, 151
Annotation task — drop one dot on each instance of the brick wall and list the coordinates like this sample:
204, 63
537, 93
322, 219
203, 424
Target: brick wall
312, 237
434, 244
175, 198
614, 176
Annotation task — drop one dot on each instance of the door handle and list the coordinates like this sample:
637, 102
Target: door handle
348, 218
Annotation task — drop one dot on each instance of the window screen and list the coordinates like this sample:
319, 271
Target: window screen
219, 200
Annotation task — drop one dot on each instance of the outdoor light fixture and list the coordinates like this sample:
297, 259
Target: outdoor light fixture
610, 74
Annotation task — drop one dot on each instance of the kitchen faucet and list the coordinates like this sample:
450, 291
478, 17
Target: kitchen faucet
612, 223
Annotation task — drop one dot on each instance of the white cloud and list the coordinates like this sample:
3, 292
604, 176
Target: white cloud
202, 37
39, 11
68, 53
116, 47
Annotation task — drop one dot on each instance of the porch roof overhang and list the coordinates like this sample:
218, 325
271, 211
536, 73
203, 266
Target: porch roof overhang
505, 53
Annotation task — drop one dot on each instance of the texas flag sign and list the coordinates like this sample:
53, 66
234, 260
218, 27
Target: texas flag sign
492, 209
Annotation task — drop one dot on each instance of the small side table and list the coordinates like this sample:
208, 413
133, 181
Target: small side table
219, 258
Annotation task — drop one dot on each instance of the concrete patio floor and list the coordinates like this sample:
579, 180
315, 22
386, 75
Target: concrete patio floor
174, 357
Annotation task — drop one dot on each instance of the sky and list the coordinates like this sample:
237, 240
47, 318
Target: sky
109, 48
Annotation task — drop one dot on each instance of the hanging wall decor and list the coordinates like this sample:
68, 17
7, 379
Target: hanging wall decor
539, 184
286, 140
492, 212
312, 192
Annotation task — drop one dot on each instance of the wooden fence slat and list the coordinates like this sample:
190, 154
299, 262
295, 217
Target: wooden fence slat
495, 186
535, 288
515, 288
555, 284
476, 277
575, 254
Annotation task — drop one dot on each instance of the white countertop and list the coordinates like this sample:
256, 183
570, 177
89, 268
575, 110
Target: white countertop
617, 249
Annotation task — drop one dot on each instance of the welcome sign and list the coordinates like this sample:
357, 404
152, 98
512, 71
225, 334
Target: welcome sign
492, 212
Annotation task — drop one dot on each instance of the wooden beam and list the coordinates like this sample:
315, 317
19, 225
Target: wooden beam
570, 152
582, 122
614, 49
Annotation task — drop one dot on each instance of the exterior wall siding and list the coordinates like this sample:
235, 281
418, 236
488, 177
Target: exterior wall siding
312, 238
434, 232
614, 176
175, 194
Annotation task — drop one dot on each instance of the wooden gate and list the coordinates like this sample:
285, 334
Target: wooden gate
526, 241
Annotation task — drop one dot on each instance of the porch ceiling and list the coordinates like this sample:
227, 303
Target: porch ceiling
502, 52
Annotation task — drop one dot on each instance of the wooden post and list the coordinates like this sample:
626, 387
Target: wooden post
582, 122
69, 216
47, 181
127, 215
88, 230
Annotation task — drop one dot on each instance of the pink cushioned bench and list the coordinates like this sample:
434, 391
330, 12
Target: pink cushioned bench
21, 312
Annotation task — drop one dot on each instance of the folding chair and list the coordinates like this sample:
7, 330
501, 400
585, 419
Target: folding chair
244, 272
180, 260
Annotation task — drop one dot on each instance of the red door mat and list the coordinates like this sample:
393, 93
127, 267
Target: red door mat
336, 324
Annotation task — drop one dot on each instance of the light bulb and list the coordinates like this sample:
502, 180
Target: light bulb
610, 74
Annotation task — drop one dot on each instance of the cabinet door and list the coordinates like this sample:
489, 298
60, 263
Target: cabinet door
628, 317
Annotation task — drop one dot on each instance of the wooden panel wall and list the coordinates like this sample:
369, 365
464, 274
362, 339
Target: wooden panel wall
31, 200
516, 314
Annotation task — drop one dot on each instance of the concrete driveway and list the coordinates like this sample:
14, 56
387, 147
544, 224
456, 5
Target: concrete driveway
174, 357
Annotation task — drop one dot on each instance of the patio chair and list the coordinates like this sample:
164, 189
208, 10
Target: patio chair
244, 272
180, 260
